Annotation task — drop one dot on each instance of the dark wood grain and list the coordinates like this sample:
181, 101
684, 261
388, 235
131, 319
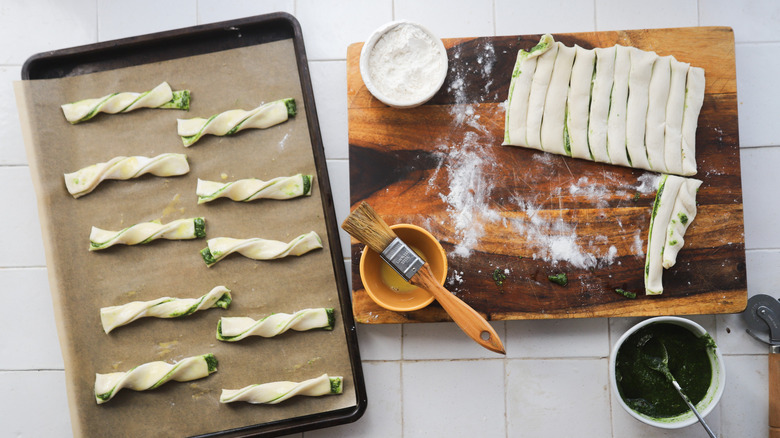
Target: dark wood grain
399, 164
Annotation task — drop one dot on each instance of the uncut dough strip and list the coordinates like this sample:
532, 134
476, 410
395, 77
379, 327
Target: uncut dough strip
245, 190
656, 238
618, 103
537, 96
516, 120
554, 116
674, 117
232, 329
165, 307
160, 96
600, 100
658, 97
694, 97
145, 232
84, 181
152, 375
277, 392
636, 108
578, 103
233, 121
259, 249
683, 213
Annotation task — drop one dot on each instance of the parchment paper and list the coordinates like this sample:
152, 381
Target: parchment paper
82, 282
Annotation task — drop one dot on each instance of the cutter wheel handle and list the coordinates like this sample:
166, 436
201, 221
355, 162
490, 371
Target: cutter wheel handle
762, 315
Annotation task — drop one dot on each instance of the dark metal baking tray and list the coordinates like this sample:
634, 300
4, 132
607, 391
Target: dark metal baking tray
198, 40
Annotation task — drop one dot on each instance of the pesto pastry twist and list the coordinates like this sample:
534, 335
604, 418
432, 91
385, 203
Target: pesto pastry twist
165, 307
84, 181
277, 392
245, 190
234, 329
145, 232
160, 97
232, 121
259, 249
152, 375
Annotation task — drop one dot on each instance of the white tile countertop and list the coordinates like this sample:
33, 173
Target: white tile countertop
554, 379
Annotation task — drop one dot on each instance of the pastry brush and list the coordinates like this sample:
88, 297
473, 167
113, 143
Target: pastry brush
365, 225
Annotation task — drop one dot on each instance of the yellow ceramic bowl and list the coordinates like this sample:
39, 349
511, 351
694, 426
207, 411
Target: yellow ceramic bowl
389, 291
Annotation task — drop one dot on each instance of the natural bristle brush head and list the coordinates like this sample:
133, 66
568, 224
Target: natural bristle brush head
365, 225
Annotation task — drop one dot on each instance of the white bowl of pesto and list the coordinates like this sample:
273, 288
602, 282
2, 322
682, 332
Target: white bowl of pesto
403, 64
642, 391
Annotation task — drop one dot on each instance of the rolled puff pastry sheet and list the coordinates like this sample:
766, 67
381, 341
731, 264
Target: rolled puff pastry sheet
578, 103
599, 104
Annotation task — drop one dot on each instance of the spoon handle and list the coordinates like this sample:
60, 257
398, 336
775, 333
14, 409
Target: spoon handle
695, 412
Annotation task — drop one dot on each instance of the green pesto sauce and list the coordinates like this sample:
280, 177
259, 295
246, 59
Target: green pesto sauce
499, 277
560, 279
646, 390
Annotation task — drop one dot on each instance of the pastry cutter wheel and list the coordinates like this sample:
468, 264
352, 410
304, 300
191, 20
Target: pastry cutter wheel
762, 314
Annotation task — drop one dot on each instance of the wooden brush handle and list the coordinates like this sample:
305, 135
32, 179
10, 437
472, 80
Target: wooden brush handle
774, 395
467, 318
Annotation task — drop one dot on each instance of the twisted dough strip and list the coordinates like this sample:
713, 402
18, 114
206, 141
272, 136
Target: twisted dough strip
259, 249
245, 190
165, 307
160, 97
234, 329
232, 121
84, 181
153, 374
145, 232
277, 392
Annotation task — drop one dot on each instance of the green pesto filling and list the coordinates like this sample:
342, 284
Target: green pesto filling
224, 301
499, 277
331, 319
200, 227
211, 362
683, 218
180, 100
566, 137
626, 293
291, 108
559, 279
207, 256
306, 184
335, 385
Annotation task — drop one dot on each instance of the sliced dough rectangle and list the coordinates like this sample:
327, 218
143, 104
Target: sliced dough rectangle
674, 117
603, 78
694, 97
656, 237
578, 103
555, 105
516, 122
538, 95
636, 108
656, 113
618, 102
683, 213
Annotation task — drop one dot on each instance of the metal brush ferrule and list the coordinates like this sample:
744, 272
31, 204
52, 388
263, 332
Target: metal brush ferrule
402, 259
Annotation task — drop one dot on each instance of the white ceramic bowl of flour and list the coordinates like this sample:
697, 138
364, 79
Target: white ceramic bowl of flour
403, 64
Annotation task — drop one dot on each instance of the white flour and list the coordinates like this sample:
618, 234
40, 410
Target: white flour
404, 63
468, 162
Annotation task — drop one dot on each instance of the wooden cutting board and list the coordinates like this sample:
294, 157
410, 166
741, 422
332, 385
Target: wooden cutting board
529, 214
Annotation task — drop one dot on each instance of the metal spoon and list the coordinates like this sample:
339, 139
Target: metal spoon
661, 364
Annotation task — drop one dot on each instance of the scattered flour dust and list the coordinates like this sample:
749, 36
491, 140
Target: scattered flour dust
468, 162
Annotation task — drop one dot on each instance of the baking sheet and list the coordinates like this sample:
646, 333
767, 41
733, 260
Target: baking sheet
82, 282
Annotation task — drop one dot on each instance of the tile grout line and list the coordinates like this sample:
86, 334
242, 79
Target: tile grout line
609, 386
401, 379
